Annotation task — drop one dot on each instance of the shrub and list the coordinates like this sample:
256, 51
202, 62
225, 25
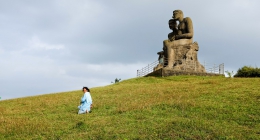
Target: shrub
116, 80
230, 74
248, 71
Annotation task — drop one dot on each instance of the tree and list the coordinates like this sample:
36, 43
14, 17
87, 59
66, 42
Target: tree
248, 71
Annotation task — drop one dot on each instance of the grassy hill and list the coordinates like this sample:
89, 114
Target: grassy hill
178, 107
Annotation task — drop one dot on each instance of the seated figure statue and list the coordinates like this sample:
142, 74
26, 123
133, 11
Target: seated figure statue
179, 51
173, 26
162, 55
182, 35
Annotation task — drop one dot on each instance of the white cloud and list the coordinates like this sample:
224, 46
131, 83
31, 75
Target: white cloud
49, 76
36, 43
1, 51
81, 12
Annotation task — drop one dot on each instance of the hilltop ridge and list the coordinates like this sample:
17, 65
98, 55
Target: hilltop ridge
176, 107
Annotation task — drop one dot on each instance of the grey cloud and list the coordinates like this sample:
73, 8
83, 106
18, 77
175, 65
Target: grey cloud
95, 35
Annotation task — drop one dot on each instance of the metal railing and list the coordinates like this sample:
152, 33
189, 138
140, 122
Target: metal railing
210, 68
147, 69
214, 68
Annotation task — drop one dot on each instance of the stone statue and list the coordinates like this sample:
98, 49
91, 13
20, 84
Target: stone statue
173, 26
185, 27
179, 50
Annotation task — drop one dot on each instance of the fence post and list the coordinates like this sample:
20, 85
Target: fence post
205, 66
223, 69
214, 68
219, 69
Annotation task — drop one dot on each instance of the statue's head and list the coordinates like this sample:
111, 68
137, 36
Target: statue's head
177, 14
172, 24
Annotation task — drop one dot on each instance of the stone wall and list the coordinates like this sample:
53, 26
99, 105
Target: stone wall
163, 72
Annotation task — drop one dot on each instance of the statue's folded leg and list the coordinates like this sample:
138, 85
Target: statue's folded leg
170, 57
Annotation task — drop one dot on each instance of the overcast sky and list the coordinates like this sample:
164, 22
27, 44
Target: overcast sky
53, 46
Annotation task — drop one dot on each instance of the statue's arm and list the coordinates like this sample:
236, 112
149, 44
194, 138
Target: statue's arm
171, 36
189, 30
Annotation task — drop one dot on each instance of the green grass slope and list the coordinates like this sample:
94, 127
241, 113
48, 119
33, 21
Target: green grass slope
178, 107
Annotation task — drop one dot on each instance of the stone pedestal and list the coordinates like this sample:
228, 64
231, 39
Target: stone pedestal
163, 72
181, 55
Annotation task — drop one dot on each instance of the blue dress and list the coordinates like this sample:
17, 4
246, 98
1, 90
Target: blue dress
86, 102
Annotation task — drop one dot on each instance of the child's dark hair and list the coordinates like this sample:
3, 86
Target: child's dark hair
86, 89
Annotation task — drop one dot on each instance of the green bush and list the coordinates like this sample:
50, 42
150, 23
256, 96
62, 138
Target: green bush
248, 71
230, 74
